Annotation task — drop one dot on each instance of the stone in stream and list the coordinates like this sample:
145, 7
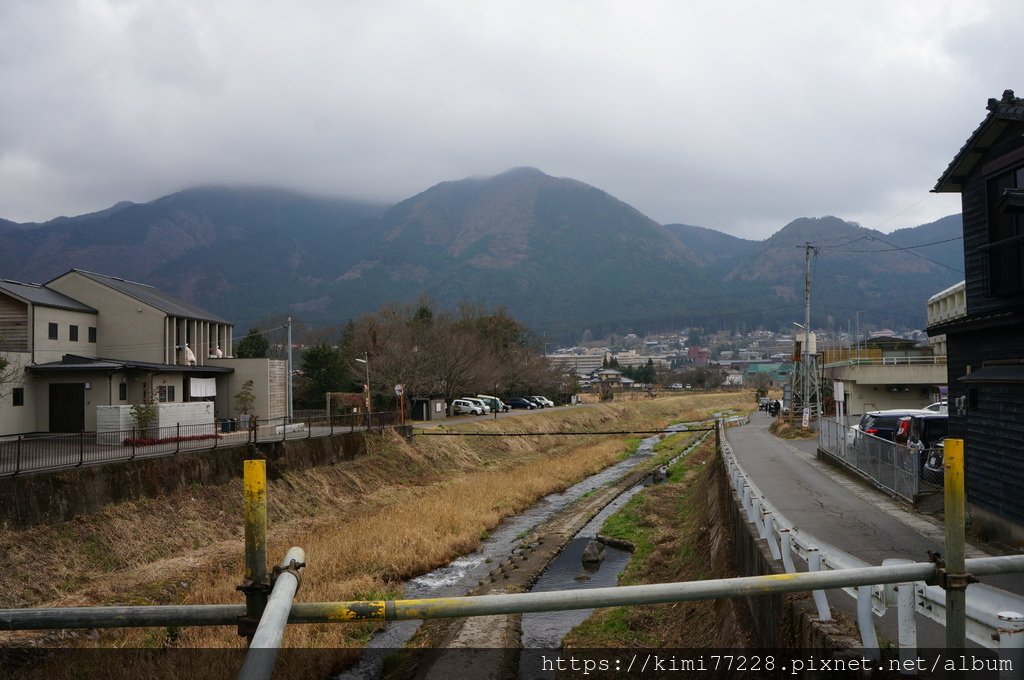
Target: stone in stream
593, 553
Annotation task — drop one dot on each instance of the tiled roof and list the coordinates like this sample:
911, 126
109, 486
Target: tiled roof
1009, 108
42, 296
153, 297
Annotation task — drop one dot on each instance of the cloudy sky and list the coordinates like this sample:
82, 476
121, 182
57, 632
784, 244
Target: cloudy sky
738, 116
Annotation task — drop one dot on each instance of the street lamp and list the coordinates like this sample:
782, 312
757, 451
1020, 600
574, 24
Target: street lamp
366, 360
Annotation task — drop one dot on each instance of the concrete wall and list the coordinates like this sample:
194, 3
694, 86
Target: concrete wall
269, 378
48, 498
119, 417
868, 386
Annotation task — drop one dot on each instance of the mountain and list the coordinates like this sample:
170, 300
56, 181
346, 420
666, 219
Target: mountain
719, 253
243, 253
559, 254
887, 278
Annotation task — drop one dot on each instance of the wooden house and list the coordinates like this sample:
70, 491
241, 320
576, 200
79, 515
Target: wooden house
986, 346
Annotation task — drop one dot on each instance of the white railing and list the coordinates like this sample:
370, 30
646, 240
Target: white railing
889, 361
993, 615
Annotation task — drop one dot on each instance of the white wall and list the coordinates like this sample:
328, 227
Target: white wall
16, 419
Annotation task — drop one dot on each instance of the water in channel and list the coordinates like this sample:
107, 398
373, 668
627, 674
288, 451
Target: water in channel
455, 578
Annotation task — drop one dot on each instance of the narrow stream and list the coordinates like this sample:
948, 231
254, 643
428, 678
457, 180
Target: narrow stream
545, 630
455, 578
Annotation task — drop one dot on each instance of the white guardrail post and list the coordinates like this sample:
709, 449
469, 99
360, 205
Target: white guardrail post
902, 595
993, 620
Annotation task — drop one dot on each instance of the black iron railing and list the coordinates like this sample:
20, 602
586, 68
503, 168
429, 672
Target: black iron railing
36, 453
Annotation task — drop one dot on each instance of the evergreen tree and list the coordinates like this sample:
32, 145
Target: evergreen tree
253, 346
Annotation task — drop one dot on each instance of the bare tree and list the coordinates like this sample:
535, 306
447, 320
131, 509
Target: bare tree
10, 371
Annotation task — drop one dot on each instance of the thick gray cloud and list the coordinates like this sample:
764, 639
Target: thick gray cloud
738, 116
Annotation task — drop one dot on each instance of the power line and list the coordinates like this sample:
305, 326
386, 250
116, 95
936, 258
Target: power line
557, 434
886, 250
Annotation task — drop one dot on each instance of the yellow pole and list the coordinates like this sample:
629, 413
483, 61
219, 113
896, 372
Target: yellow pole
956, 513
256, 585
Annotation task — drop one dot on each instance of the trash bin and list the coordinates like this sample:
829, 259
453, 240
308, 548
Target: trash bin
225, 425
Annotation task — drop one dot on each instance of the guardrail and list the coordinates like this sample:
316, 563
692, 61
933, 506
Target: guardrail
27, 454
993, 618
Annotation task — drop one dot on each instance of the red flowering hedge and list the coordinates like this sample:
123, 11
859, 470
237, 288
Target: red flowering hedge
150, 441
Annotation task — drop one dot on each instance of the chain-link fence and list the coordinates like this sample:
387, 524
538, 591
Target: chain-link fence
894, 468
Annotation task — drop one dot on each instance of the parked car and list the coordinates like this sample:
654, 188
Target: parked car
519, 402
493, 403
881, 424
676, 386
466, 406
479, 402
543, 400
925, 435
934, 470
938, 407
534, 401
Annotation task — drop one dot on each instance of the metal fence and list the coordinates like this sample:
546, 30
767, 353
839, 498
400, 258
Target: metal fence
894, 468
28, 453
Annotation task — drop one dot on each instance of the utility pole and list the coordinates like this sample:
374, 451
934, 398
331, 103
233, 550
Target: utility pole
806, 355
289, 389
809, 394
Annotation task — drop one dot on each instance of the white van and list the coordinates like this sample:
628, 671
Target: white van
494, 403
479, 402
466, 406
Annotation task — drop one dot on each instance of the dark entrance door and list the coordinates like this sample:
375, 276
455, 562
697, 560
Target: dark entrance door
67, 407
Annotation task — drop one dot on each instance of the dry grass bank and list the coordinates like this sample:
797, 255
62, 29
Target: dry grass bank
366, 524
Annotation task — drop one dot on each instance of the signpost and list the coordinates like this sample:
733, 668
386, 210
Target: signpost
400, 393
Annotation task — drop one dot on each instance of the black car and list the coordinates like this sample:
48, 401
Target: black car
882, 424
519, 402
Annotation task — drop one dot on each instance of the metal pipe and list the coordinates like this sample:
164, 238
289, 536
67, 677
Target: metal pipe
633, 595
260, 665
333, 612
254, 493
956, 597
121, 617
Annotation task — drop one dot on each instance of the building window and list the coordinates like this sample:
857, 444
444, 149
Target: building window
1005, 249
53, 331
165, 393
92, 333
73, 333
18, 396
122, 391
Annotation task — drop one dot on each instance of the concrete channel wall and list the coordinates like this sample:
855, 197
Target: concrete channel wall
780, 621
65, 494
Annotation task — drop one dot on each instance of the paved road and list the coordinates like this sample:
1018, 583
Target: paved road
850, 515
